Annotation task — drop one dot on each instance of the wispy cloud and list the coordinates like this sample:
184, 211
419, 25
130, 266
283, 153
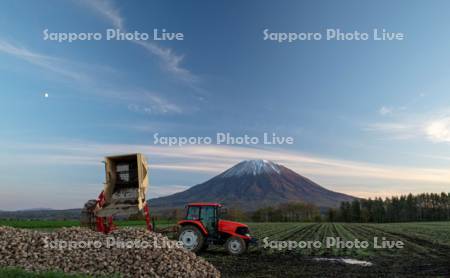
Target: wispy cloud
392, 110
56, 65
335, 173
389, 110
384, 111
164, 190
97, 78
395, 130
151, 103
106, 9
170, 61
433, 126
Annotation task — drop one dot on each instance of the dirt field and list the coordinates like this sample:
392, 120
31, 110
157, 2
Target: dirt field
426, 251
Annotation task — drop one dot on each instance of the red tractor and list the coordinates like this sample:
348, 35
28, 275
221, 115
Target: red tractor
203, 226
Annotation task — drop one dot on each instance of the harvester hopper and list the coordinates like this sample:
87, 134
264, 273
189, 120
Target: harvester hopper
124, 192
125, 186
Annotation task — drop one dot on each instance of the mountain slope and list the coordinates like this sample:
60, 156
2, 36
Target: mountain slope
253, 184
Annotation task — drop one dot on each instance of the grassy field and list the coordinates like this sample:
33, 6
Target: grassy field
426, 250
18, 273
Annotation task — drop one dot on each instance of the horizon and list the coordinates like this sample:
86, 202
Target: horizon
217, 85
243, 161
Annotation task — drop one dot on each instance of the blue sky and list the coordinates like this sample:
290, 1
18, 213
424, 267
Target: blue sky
369, 118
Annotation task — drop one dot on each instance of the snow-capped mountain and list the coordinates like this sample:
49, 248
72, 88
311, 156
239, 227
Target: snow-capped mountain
252, 184
251, 167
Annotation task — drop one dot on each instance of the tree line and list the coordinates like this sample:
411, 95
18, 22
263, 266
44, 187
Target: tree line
406, 208
288, 212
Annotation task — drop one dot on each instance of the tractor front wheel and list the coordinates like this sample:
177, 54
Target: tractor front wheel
236, 246
192, 238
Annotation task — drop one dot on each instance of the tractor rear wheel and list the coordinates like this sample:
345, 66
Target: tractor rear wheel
87, 218
236, 246
192, 238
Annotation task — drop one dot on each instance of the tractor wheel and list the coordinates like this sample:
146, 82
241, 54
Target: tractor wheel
87, 218
192, 238
236, 246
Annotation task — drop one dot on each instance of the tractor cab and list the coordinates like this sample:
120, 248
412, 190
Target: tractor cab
203, 226
206, 213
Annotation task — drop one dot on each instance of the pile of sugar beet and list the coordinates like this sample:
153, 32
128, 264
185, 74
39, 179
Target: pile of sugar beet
124, 252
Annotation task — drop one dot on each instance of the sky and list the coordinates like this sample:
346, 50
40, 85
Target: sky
368, 118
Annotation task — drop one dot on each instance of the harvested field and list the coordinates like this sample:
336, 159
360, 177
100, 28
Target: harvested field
426, 251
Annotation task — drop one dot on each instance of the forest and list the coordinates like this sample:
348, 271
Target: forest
405, 208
